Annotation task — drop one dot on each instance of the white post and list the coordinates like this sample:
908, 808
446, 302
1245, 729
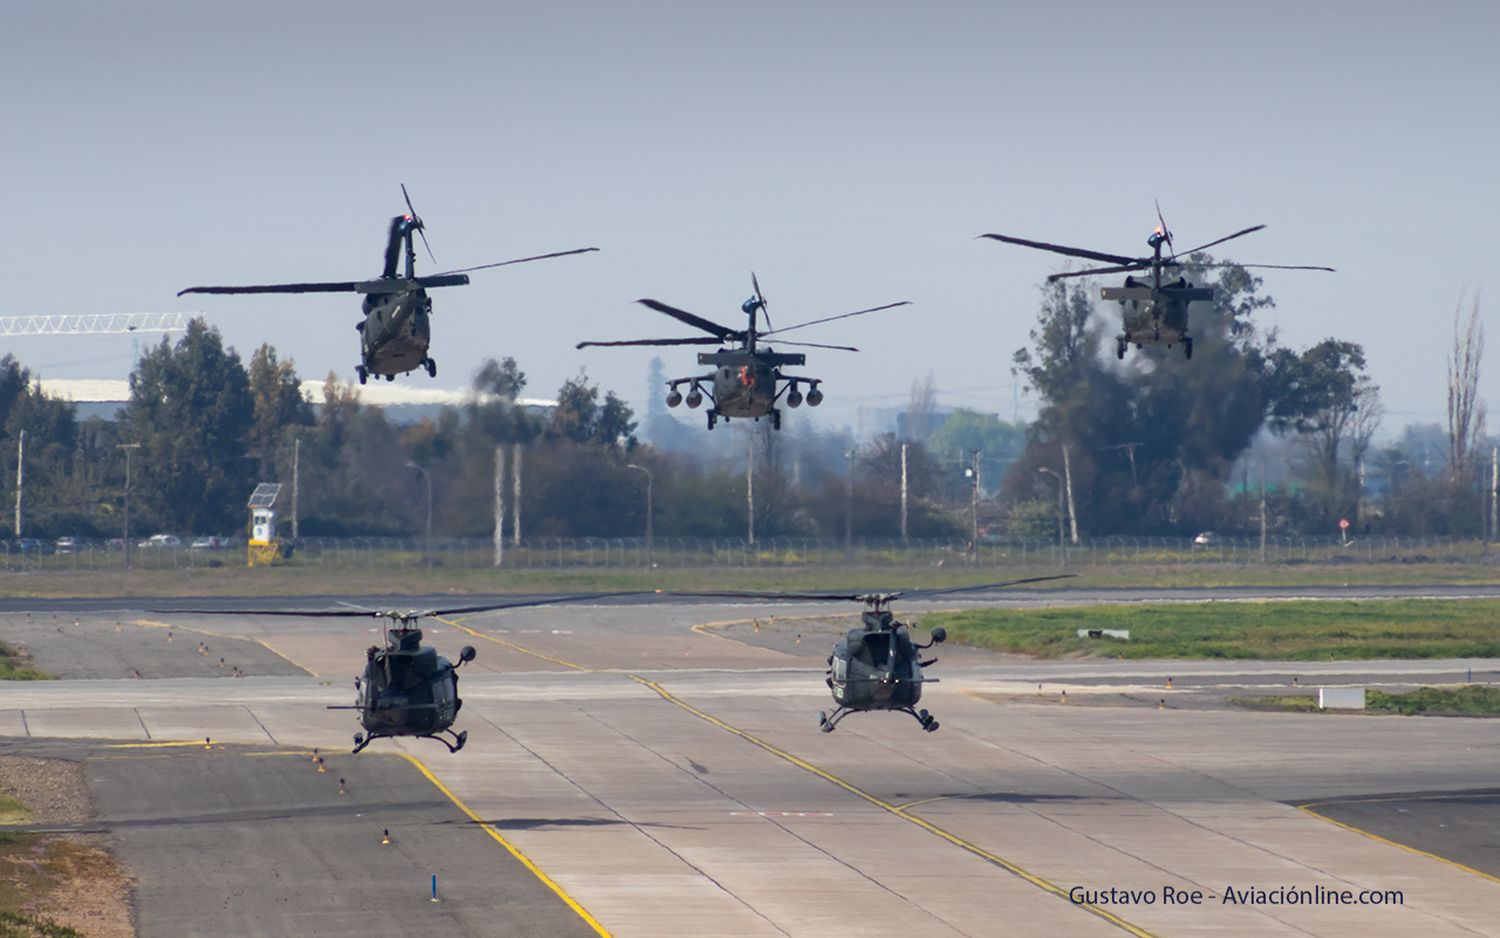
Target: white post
515, 494
296, 468
20, 478
1068, 481
903, 494
750, 487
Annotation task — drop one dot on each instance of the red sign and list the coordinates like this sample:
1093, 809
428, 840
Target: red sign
1343, 524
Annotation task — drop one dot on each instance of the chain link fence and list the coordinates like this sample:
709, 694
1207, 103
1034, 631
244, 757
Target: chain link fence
676, 552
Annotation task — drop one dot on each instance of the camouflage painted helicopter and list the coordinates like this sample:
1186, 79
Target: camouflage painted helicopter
746, 381
397, 330
406, 688
878, 666
1154, 311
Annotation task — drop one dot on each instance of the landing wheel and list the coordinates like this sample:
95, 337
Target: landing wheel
363, 372
431, 368
775, 419
390, 377
1187, 349
713, 418
1120, 345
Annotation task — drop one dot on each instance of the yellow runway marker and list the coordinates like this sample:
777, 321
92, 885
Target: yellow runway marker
287, 658
510, 847
167, 744
897, 810
1308, 809
511, 645
712, 628
152, 623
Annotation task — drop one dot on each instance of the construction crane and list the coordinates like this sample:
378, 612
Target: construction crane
94, 324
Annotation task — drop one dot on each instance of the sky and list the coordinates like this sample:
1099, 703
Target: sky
847, 152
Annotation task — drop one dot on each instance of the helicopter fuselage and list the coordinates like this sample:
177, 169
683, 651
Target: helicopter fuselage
396, 331
747, 384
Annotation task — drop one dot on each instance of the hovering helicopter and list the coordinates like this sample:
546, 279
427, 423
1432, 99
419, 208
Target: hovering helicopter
878, 666
406, 688
397, 330
746, 381
1155, 312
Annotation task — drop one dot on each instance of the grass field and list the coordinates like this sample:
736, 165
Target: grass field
1472, 699
1289, 631
294, 580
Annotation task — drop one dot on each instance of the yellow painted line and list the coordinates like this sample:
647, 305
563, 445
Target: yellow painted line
898, 811
287, 658
511, 645
510, 847
712, 628
913, 804
1308, 809
170, 744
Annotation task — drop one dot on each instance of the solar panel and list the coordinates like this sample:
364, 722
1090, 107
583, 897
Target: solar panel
264, 495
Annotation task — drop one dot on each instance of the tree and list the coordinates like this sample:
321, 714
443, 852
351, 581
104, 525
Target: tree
279, 406
580, 418
192, 412
1325, 397
1465, 408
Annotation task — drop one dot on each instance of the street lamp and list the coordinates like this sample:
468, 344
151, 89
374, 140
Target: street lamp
1062, 544
649, 511
849, 507
426, 477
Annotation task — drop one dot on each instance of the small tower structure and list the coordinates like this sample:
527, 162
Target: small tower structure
265, 546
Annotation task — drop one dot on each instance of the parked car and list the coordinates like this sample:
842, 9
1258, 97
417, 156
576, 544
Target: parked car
71, 545
30, 545
1206, 539
211, 542
156, 541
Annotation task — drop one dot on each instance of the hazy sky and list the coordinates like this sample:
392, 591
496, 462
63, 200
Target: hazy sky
846, 152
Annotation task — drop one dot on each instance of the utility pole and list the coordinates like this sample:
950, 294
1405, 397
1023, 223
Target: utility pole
903, 494
427, 541
296, 470
128, 448
974, 505
515, 494
650, 514
20, 479
499, 504
1072, 509
1263, 511
849, 506
750, 487
1494, 488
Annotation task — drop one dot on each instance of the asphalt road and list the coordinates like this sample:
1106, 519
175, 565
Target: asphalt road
1460, 826
254, 841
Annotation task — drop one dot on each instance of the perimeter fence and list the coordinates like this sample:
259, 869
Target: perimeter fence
676, 552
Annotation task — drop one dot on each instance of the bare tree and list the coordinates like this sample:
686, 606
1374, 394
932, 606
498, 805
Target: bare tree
921, 410
1367, 416
1465, 409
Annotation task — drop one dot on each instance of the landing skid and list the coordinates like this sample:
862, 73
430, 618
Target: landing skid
827, 723
361, 740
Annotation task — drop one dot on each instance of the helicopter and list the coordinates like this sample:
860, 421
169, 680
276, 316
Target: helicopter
1154, 311
397, 330
746, 381
878, 666
406, 688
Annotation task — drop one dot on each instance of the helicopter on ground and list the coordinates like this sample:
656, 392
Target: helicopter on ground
406, 688
397, 330
878, 666
1155, 312
746, 381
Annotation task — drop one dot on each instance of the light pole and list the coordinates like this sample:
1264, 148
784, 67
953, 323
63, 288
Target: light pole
650, 553
972, 472
849, 508
426, 477
1062, 544
128, 448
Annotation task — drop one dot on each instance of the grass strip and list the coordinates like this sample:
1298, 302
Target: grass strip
1281, 631
1471, 699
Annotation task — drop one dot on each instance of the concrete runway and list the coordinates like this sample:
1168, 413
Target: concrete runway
672, 780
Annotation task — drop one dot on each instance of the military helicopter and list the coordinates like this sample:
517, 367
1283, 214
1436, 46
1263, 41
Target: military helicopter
1155, 312
397, 329
406, 689
746, 381
878, 666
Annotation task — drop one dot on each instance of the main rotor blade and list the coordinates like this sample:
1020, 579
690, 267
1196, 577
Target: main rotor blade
1221, 240
696, 340
697, 322
1096, 270
840, 348
342, 286
519, 260
760, 297
984, 587
384, 614
418, 219
1064, 249
1265, 266
858, 312
1165, 231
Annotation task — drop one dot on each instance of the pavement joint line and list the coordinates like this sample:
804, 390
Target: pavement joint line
512, 849
1309, 810
898, 811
